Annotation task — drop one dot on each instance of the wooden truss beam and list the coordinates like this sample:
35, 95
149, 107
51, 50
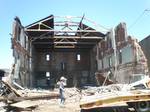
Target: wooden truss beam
82, 43
68, 37
61, 31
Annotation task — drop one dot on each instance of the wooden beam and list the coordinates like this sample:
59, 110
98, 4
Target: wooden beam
69, 37
77, 37
12, 89
36, 23
60, 31
57, 46
3, 98
82, 43
25, 104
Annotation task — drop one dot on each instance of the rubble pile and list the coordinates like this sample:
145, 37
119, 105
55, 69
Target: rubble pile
73, 94
40, 100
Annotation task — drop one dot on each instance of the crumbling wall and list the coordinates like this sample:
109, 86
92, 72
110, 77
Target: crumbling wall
120, 55
120, 33
20, 46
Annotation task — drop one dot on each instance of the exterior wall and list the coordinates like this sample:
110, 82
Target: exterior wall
121, 55
20, 46
127, 54
109, 60
93, 65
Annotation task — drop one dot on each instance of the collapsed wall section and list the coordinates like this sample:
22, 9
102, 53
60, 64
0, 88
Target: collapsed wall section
21, 53
121, 56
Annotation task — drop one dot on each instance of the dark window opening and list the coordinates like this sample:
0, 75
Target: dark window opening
110, 61
25, 42
19, 31
102, 64
120, 57
63, 66
140, 86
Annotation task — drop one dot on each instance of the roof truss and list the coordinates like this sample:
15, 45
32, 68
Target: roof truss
64, 32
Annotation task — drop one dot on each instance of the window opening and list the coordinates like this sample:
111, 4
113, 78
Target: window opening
78, 57
47, 74
47, 57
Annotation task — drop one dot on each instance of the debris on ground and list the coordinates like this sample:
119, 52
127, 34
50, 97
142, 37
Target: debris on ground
38, 100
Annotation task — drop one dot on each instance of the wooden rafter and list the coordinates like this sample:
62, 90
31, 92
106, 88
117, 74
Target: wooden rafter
63, 32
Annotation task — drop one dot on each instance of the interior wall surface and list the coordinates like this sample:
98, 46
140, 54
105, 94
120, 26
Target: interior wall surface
74, 65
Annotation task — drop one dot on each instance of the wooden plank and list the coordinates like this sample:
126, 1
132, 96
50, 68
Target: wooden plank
2, 98
48, 96
37, 97
25, 104
11, 88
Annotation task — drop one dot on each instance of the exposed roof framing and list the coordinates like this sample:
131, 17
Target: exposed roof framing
64, 32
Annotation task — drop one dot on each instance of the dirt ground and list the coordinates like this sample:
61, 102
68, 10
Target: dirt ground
53, 106
72, 102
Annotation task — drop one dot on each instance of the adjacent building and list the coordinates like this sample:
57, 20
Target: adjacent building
145, 47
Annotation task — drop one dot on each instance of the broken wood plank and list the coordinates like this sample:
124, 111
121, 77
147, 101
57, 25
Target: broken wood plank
3, 98
11, 88
25, 104
37, 97
51, 96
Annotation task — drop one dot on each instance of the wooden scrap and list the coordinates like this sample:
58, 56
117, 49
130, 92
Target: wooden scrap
37, 97
25, 104
2, 98
11, 88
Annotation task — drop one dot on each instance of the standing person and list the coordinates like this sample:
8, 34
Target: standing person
62, 90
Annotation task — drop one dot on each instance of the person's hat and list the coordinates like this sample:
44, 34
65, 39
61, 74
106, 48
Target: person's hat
63, 79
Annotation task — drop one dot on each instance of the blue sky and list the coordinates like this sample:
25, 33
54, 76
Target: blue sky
107, 13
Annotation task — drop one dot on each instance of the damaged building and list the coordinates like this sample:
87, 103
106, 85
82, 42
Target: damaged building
120, 58
66, 46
